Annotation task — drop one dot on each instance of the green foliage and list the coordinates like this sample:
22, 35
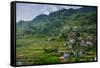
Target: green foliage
64, 20
46, 60
50, 50
40, 41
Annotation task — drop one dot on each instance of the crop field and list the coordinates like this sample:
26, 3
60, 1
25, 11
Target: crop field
44, 36
31, 50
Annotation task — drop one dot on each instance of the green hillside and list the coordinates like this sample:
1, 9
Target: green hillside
41, 40
58, 21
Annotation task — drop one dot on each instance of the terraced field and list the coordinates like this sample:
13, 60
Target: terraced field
31, 50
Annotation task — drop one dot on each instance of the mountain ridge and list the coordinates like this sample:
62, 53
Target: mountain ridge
53, 23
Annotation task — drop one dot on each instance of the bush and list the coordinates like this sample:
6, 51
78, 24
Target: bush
50, 50
46, 60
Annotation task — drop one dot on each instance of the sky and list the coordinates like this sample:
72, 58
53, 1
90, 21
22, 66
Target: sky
27, 11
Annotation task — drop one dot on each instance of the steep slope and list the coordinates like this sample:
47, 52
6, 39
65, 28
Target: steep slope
57, 22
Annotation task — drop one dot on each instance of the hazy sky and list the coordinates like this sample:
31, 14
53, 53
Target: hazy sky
26, 11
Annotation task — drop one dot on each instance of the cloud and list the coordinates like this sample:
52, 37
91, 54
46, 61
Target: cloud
47, 9
54, 9
73, 7
46, 12
26, 11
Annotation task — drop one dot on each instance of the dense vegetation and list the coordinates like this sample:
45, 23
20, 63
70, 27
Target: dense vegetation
40, 41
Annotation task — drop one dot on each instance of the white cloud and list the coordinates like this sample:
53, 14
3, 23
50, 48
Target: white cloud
54, 9
74, 7
46, 12
47, 9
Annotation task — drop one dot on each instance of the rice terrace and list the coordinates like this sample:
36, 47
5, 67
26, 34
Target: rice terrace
55, 34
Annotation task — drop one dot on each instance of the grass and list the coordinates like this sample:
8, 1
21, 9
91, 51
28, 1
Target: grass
29, 50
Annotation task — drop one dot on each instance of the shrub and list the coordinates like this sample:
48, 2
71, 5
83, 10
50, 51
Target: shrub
46, 60
50, 50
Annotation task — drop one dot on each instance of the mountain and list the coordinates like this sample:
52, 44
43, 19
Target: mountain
58, 22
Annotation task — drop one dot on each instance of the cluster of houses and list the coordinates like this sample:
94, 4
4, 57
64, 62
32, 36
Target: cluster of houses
75, 45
